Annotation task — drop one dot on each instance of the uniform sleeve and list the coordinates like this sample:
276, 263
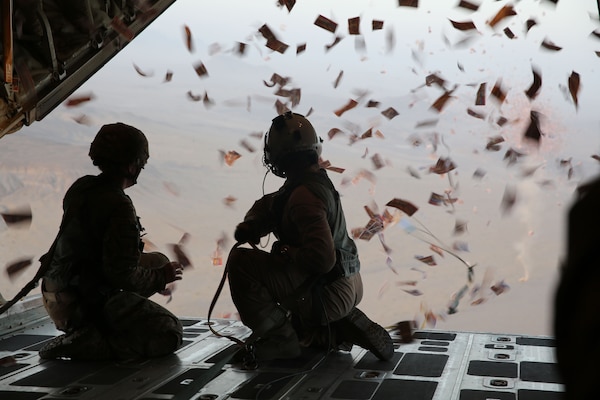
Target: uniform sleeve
260, 215
121, 254
315, 248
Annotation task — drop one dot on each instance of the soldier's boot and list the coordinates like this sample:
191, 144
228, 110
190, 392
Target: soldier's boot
357, 328
86, 344
273, 338
279, 343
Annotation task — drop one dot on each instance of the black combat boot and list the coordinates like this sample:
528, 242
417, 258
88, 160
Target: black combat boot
85, 344
357, 328
279, 343
273, 338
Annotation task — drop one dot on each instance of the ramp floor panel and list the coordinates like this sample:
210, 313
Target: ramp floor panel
436, 365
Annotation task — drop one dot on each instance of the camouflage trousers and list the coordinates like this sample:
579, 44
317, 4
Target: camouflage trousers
258, 281
129, 326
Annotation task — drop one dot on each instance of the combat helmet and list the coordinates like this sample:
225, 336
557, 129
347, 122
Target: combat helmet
289, 133
119, 144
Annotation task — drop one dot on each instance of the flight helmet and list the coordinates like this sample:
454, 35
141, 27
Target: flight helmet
290, 133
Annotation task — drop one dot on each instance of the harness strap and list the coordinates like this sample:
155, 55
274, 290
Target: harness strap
284, 308
214, 302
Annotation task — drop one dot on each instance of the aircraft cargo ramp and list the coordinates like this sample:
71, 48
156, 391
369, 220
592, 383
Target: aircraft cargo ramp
436, 365
49, 49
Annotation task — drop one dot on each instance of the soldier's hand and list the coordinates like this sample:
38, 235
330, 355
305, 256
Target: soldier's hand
281, 249
245, 233
173, 271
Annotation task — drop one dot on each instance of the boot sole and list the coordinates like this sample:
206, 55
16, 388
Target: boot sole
357, 328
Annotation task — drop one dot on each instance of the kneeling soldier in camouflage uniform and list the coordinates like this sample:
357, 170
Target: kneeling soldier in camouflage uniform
98, 282
305, 291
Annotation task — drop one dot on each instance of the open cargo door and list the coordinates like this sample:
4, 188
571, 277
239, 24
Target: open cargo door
51, 47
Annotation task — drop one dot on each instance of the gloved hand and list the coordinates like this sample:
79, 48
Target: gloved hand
173, 271
280, 249
245, 233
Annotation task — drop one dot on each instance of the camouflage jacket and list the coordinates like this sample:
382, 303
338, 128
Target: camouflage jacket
306, 215
99, 248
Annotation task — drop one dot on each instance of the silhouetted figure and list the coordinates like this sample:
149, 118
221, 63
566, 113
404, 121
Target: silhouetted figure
577, 301
98, 280
304, 291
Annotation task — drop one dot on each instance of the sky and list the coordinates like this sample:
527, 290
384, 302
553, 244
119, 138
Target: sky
186, 184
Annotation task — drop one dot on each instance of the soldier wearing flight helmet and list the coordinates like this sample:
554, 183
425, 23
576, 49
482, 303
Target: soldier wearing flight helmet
304, 292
